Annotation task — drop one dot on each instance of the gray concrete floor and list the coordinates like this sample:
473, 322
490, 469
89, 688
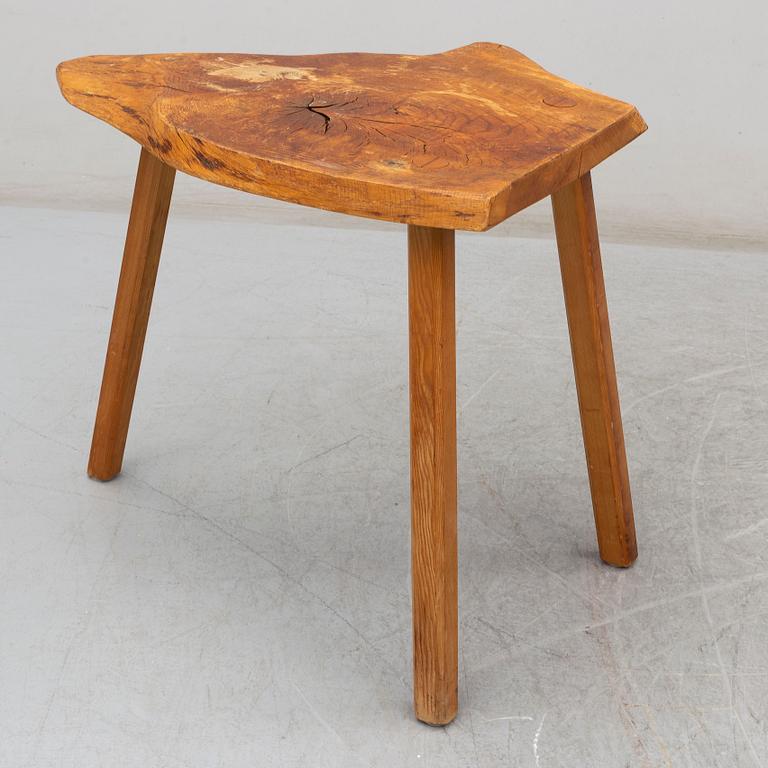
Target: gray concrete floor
240, 595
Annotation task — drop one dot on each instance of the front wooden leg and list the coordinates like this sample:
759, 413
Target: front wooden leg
432, 333
146, 227
585, 303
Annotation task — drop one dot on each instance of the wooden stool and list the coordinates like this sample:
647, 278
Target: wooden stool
458, 140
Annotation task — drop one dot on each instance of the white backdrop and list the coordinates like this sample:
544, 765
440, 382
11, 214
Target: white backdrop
697, 71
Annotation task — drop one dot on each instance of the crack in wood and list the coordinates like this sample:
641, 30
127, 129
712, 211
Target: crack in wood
315, 109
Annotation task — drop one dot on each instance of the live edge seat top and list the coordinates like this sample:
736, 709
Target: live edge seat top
459, 140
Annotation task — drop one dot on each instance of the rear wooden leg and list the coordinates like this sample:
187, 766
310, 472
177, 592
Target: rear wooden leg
431, 307
585, 304
146, 227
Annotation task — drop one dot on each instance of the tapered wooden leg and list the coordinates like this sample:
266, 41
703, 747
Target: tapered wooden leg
149, 211
431, 307
587, 311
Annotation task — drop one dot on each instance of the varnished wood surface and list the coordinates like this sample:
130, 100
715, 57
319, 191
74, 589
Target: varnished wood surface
587, 311
431, 306
459, 140
141, 256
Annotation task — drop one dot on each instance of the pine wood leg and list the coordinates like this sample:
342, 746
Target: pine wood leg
143, 242
587, 311
431, 309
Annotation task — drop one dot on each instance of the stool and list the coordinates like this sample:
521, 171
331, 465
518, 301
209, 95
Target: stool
457, 140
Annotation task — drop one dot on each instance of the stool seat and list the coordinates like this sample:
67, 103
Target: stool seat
457, 140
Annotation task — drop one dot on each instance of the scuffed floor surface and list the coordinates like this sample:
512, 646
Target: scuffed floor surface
240, 595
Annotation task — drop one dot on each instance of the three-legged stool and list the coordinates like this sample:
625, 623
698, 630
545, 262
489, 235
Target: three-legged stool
457, 140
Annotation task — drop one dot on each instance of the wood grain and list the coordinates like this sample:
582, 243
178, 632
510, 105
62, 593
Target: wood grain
587, 311
141, 256
459, 140
431, 306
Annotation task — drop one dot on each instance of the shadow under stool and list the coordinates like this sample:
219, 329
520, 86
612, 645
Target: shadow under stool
457, 140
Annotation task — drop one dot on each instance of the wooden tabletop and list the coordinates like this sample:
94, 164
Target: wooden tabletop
460, 140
